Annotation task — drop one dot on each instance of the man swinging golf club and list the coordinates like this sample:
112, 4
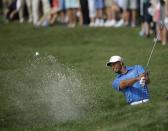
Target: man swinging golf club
132, 81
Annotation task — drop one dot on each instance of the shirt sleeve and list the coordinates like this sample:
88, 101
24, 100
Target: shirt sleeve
116, 84
140, 69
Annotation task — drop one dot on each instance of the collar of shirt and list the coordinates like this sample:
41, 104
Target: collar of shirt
128, 68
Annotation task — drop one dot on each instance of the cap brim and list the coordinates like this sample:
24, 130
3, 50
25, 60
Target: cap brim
108, 63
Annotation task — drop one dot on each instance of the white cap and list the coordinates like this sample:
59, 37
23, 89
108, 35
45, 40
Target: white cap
114, 59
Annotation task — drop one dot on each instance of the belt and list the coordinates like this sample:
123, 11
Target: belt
139, 102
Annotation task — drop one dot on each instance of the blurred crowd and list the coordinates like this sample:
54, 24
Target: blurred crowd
151, 15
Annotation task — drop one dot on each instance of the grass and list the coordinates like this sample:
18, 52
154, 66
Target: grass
85, 50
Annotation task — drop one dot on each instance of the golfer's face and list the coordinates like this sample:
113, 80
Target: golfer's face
116, 67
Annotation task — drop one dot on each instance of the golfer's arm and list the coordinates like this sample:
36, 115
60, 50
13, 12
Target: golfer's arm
129, 82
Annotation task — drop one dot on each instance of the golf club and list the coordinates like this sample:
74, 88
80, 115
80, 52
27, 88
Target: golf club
151, 53
147, 71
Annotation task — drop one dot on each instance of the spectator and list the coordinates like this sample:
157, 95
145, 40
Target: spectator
165, 23
35, 9
85, 12
0, 7
20, 8
146, 18
50, 17
159, 17
62, 11
99, 12
129, 13
92, 12
12, 10
72, 6
6, 5
110, 13
119, 8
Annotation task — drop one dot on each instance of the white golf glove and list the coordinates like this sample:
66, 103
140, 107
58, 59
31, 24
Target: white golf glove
142, 81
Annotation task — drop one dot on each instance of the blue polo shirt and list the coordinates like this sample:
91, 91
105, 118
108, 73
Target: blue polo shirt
135, 92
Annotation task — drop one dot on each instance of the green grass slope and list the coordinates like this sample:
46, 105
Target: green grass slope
74, 60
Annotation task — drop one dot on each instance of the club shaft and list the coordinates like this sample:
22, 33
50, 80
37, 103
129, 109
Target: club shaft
150, 56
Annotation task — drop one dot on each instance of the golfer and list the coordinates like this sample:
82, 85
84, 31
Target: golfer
132, 81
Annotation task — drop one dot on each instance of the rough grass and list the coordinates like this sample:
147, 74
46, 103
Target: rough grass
83, 51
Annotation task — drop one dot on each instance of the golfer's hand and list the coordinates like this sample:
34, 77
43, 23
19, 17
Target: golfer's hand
142, 81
